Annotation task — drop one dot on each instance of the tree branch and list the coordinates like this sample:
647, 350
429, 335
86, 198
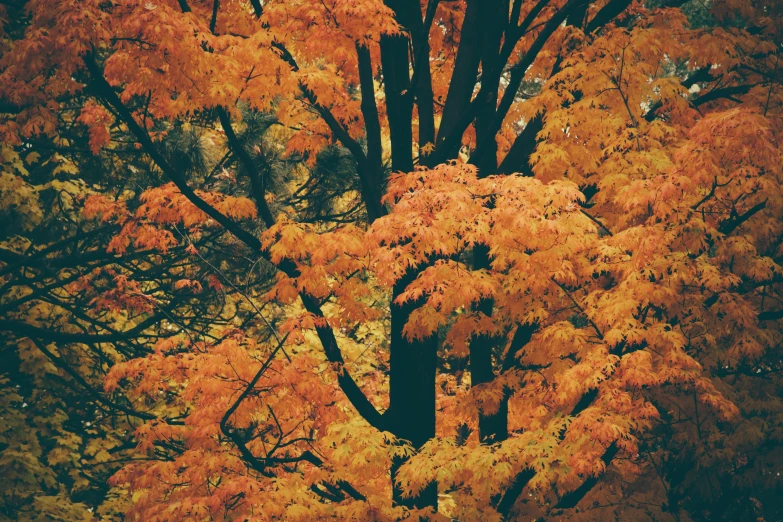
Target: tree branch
369, 108
23, 329
517, 71
57, 361
510, 496
731, 224
352, 391
607, 14
368, 177
572, 498
256, 183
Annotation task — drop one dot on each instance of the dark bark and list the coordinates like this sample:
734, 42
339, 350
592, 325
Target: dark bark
724, 92
106, 93
494, 23
411, 414
353, 393
399, 109
421, 85
395, 63
372, 123
771, 315
736, 220
510, 496
450, 142
371, 169
519, 69
413, 363
513, 492
213, 20
493, 426
369, 175
334, 355
718, 93
518, 157
463, 78
607, 13
246, 162
22, 329
522, 336
572, 498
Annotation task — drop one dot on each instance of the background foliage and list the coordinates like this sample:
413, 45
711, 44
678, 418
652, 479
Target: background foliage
301, 260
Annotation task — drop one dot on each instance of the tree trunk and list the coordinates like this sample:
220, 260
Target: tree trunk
492, 426
411, 414
413, 364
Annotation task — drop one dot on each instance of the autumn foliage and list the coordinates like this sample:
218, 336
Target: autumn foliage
472, 260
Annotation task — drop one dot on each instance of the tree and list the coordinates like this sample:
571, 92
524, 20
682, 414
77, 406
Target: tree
521, 257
